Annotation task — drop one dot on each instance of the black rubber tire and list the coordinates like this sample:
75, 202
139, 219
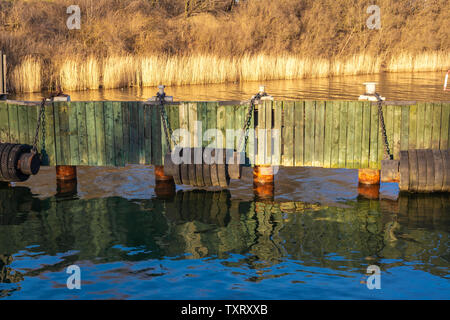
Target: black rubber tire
2, 147
4, 157
13, 159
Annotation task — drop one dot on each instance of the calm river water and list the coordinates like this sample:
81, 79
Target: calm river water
314, 241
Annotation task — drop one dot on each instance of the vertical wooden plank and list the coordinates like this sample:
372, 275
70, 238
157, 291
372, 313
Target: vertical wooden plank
290, 124
319, 134
4, 122
299, 132
421, 125
221, 123
268, 106
436, 126
83, 142
357, 153
147, 133
91, 134
389, 121
33, 113
13, 123
310, 111
251, 144
50, 141
412, 138
397, 132
404, 135
156, 136
126, 130
351, 135
109, 133
141, 134
22, 116
365, 145
335, 136
343, 134
374, 135
428, 126
261, 135
277, 133
59, 139
445, 132
99, 110
134, 132
73, 135
118, 134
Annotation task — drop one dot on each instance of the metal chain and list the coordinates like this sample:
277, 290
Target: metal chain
387, 150
248, 119
164, 119
40, 122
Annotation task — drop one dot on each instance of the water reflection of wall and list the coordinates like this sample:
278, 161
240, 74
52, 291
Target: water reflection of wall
211, 224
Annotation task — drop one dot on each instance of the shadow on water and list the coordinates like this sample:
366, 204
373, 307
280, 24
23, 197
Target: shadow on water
204, 224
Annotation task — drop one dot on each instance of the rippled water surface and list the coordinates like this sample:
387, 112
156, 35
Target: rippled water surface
313, 240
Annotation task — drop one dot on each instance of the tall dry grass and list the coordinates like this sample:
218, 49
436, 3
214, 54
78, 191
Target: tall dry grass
127, 71
27, 76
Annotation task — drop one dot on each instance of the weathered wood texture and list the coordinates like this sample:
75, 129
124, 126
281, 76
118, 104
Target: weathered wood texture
2, 73
330, 134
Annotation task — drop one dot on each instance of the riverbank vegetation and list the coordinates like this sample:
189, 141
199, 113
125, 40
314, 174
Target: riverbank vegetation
148, 42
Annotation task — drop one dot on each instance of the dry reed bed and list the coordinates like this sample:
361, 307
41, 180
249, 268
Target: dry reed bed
126, 71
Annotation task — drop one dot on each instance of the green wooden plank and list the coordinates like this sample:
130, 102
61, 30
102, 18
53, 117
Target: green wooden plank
32, 124
299, 133
134, 132
374, 137
50, 141
343, 133
310, 111
230, 116
445, 132
436, 126
211, 121
397, 131
357, 153
404, 135
13, 123
428, 126
351, 106
4, 122
421, 125
73, 135
141, 134
389, 121
99, 109
251, 144
118, 134
328, 134
22, 116
335, 136
59, 141
268, 106
109, 133
126, 130
277, 133
319, 134
412, 137
260, 157
83, 143
365, 144
290, 124
91, 134
156, 136
147, 134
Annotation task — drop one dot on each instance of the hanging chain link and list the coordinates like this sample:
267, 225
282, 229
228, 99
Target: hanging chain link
387, 150
40, 123
165, 119
248, 119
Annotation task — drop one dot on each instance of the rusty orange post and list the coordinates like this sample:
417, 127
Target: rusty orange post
369, 176
66, 180
66, 173
369, 191
164, 185
263, 182
160, 176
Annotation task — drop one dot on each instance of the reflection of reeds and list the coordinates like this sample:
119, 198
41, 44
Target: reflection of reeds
126, 71
26, 77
